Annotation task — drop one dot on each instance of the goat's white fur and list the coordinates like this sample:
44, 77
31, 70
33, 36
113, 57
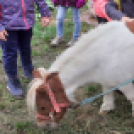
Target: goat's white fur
104, 55
36, 82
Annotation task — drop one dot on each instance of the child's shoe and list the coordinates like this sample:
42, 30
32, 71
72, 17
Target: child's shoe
71, 42
56, 41
15, 88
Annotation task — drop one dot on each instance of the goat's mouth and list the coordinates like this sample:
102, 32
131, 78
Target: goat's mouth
50, 121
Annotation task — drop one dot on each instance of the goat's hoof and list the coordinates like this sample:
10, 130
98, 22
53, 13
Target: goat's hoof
103, 112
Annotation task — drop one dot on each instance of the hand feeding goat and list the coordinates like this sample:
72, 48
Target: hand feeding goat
103, 55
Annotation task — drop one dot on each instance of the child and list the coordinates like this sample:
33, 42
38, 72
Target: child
125, 14
16, 33
108, 10
63, 6
99, 8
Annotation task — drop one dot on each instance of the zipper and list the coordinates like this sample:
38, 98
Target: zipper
24, 13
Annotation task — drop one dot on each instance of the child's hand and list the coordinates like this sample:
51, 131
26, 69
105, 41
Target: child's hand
126, 19
130, 25
3, 35
45, 21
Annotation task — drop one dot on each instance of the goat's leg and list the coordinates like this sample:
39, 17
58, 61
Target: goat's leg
108, 103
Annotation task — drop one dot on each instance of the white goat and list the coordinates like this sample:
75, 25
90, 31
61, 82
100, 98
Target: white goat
104, 55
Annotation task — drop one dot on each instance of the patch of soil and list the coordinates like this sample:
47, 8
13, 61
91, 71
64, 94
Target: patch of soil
87, 18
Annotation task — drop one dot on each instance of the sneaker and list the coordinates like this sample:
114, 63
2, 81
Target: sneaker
71, 42
28, 73
15, 88
56, 41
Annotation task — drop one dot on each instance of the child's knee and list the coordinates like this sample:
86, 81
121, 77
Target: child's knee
76, 19
60, 19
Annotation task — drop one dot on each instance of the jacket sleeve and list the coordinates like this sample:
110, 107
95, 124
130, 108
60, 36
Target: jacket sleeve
112, 12
1, 26
80, 3
43, 8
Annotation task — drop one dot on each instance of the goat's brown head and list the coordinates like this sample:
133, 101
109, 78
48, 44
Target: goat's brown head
49, 98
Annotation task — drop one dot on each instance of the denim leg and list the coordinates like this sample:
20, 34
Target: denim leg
9, 48
24, 47
60, 20
77, 22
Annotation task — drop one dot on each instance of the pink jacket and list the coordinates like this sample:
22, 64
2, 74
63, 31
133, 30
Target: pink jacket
99, 8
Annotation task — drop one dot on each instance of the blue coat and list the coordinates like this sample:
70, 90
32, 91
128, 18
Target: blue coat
19, 14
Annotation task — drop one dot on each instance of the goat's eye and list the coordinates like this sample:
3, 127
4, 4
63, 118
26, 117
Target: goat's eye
42, 108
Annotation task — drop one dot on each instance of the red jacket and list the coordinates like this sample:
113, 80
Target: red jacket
99, 8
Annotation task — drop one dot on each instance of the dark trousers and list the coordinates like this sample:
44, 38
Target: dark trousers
0, 43
17, 41
101, 20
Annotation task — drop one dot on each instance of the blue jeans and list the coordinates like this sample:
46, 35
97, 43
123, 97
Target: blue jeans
76, 19
17, 41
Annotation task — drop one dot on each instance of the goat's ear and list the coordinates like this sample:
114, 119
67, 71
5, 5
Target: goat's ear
130, 25
51, 75
41, 89
36, 74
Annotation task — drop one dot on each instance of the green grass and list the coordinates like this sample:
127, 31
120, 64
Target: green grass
22, 126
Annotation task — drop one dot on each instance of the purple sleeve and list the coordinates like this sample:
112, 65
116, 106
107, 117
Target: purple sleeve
1, 27
55, 2
80, 3
43, 8
112, 12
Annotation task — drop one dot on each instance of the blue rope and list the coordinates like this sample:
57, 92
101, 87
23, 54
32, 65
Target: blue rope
108, 91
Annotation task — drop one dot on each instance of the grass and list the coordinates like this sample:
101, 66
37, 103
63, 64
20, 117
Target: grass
14, 118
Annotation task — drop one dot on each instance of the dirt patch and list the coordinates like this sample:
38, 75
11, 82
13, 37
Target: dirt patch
87, 18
